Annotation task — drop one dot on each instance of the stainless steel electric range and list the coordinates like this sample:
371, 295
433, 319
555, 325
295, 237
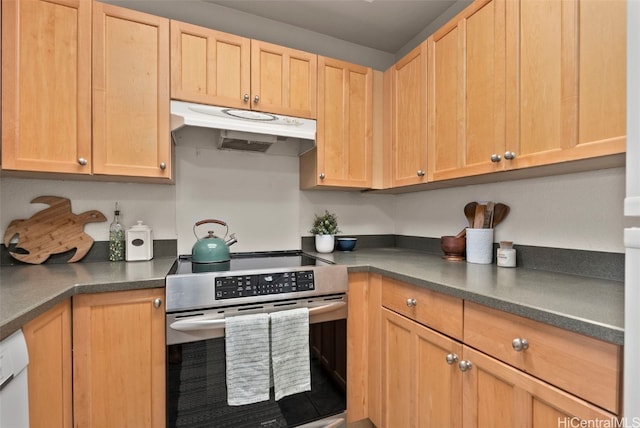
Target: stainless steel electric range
199, 298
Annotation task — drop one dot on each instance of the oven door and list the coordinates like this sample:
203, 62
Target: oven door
196, 371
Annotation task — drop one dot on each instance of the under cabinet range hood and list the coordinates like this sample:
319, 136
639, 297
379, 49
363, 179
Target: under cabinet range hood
245, 130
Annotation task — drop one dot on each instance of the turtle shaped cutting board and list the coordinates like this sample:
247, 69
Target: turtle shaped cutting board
53, 230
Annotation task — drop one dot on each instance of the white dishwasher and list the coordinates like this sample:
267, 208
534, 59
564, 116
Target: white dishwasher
14, 394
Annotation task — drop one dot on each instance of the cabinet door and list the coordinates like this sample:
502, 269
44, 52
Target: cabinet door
409, 118
283, 80
344, 144
602, 44
363, 348
497, 395
565, 80
551, 353
119, 359
46, 86
419, 387
466, 93
209, 67
49, 343
131, 134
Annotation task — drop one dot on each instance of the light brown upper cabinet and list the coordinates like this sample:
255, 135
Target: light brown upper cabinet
520, 83
566, 81
467, 93
343, 156
211, 67
407, 80
131, 134
283, 80
46, 86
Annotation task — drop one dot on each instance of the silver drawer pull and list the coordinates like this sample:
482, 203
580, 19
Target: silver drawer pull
452, 359
411, 303
520, 344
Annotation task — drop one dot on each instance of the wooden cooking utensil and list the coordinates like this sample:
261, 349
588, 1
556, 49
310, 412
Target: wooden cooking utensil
478, 220
470, 212
500, 211
488, 215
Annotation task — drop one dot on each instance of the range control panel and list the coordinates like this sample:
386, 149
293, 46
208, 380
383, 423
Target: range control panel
230, 287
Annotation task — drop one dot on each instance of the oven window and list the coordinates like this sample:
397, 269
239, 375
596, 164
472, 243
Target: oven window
197, 393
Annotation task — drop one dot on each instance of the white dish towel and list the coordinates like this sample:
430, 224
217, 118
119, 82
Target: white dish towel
247, 355
290, 352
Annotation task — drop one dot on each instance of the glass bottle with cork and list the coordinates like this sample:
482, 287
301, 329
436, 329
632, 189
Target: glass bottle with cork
116, 238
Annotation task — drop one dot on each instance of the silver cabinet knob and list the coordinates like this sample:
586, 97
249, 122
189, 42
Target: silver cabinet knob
464, 365
163, 166
411, 303
452, 359
256, 99
322, 176
82, 161
509, 155
520, 344
157, 303
245, 98
496, 158
420, 173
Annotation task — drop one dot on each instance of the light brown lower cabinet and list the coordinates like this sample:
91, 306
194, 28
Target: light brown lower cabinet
498, 395
119, 359
420, 376
431, 380
419, 388
49, 345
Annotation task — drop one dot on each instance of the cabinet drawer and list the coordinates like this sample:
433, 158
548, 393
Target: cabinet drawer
438, 311
584, 366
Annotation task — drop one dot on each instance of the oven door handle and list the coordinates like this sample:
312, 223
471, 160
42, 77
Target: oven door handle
206, 323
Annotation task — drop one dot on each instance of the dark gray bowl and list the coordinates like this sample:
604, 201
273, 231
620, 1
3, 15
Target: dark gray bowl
346, 244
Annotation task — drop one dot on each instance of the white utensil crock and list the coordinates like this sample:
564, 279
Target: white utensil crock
479, 246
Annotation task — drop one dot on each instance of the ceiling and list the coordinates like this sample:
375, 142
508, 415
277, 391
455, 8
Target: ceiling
385, 25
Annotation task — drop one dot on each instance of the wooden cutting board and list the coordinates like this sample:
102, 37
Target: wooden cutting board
53, 230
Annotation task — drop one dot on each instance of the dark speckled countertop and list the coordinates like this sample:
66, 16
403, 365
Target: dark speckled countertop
585, 305
27, 291
594, 307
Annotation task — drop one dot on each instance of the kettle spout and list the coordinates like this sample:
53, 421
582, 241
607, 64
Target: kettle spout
232, 240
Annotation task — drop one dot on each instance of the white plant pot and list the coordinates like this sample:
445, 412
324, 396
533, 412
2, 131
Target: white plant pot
325, 243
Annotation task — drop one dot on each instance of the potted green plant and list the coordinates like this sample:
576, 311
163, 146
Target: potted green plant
325, 227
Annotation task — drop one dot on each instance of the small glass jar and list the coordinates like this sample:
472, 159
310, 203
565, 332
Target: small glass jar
506, 254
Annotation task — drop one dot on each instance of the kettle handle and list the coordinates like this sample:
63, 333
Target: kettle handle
220, 222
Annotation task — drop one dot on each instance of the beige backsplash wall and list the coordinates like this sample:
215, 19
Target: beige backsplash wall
577, 211
258, 196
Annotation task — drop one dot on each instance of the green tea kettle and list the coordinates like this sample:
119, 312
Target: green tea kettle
211, 248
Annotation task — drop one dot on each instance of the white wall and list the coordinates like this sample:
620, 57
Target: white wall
152, 203
578, 211
258, 196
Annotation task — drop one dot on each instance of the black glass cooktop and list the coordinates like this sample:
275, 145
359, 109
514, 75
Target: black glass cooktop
248, 262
